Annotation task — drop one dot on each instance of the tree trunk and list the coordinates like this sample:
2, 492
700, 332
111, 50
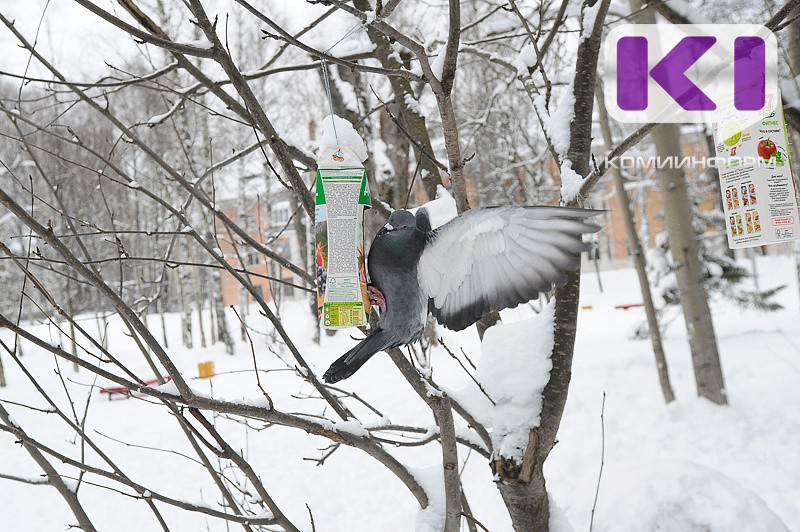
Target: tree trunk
223, 331
199, 295
161, 312
243, 308
522, 485
71, 310
186, 313
686, 257
793, 37
639, 262
101, 320
200, 307
412, 122
689, 270
213, 286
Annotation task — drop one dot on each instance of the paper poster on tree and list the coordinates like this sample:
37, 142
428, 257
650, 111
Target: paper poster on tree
758, 191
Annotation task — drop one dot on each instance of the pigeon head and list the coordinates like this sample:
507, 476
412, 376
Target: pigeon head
403, 222
399, 238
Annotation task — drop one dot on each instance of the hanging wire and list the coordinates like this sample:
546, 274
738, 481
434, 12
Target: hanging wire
330, 99
353, 30
324, 64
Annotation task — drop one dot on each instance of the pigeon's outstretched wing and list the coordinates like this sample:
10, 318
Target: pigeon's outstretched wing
494, 258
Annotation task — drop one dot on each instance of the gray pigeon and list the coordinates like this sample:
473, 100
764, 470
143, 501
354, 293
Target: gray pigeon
486, 259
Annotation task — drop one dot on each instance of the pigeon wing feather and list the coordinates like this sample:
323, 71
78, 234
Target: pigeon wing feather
493, 258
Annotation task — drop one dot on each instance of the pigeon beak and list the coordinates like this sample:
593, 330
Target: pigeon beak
389, 227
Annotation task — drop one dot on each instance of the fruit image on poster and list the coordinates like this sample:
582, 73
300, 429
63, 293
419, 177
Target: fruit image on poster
755, 162
767, 149
321, 261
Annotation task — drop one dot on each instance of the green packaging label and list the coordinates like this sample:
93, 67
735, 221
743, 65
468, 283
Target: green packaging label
342, 195
343, 314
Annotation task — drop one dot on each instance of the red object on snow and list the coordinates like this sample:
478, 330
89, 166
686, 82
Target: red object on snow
125, 391
626, 307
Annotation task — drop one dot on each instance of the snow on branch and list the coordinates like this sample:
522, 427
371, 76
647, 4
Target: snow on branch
513, 370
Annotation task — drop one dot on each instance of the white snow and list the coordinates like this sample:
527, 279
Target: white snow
790, 91
157, 119
559, 521
351, 426
258, 401
525, 60
437, 65
714, 269
571, 182
168, 387
730, 456
686, 10
431, 518
344, 136
468, 435
380, 159
663, 493
70, 483
397, 49
39, 479
412, 104
432, 391
440, 210
589, 18
199, 43
263, 515
513, 369
557, 123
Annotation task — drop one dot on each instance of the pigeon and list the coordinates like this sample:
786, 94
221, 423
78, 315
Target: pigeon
486, 259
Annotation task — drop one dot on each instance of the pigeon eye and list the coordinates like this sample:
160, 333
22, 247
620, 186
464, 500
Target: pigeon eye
405, 227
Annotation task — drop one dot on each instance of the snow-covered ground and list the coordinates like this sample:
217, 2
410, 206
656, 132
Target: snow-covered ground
728, 468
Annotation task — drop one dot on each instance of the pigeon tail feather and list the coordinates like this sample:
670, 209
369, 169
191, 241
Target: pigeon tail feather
350, 362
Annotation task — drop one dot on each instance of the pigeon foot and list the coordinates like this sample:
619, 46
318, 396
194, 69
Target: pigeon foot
376, 298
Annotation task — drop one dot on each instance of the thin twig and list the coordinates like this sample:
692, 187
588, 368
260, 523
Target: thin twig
471, 376
602, 457
255, 362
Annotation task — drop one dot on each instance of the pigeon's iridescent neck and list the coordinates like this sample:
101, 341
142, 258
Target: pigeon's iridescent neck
400, 248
